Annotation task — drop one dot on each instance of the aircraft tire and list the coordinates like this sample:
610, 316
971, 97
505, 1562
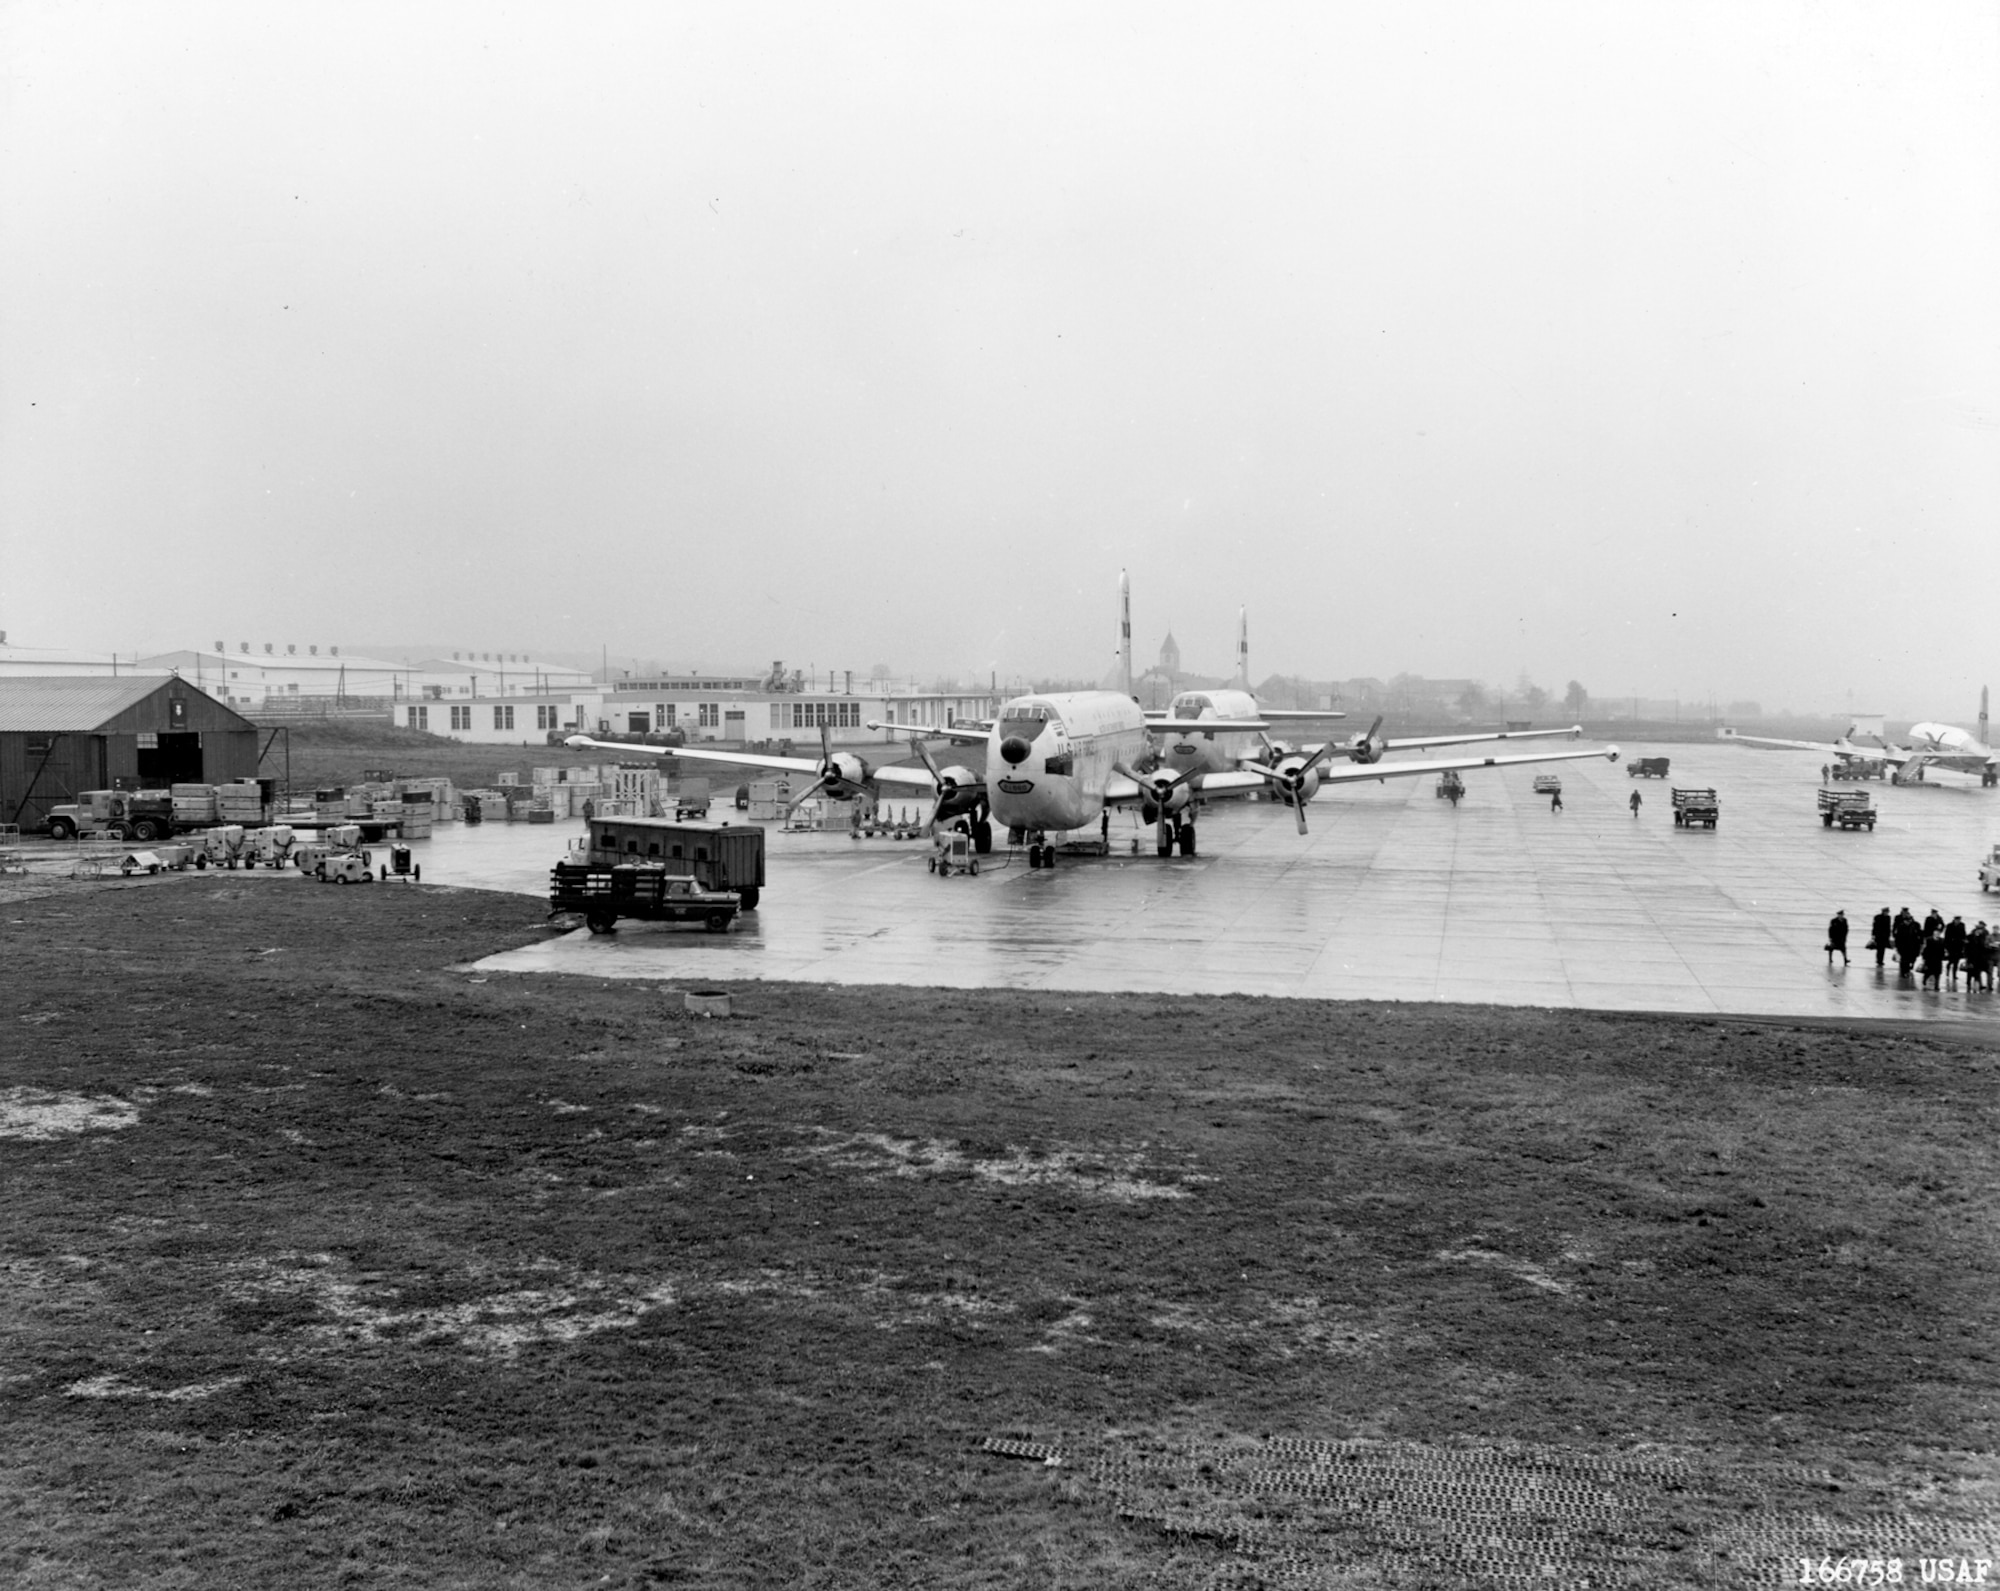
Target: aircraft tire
982, 838
1187, 839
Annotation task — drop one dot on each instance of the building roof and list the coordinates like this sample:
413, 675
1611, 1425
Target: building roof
188, 661
66, 704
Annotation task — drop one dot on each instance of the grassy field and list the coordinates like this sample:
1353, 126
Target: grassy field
330, 1261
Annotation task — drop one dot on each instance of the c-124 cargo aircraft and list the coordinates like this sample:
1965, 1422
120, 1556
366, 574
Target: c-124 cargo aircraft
1057, 763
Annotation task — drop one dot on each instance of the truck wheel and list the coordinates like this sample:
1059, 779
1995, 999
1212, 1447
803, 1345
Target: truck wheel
972, 867
145, 829
61, 829
718, 922
750, 897
417, 874
342, 879
930, 864
201, 862
600, 922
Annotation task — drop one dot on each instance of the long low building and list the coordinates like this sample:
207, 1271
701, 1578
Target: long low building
61, 735
730, 717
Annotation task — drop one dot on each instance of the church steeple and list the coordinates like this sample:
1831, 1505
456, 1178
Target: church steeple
1170, 656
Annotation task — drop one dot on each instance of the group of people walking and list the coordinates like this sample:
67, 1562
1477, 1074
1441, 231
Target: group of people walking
1934, 950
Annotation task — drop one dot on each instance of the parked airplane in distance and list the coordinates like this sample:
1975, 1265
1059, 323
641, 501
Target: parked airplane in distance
1931, 746
1228, 734
957, 791
1060, 762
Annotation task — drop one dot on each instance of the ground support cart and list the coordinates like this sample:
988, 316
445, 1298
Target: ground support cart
954, 853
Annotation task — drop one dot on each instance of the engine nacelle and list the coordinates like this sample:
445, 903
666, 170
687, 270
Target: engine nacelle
960, 791
1297, 781
844, 773
1369, 749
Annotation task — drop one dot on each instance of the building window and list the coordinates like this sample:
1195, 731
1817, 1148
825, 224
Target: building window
503, 718
777, 715
711, 714
546, 718
420, 718
461, 718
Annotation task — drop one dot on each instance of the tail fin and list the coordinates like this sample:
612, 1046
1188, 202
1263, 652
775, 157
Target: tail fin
1124, 633
1242, 649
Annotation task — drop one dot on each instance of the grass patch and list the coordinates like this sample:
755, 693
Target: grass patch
352, 1268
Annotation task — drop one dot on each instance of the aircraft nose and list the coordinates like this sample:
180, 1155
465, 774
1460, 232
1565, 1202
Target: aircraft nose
1014, 751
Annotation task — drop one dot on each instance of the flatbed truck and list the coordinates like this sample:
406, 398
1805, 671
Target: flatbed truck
1696, 809
1851, 809
645, 890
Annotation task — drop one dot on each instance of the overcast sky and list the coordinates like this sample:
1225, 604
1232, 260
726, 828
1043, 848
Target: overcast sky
1651, 345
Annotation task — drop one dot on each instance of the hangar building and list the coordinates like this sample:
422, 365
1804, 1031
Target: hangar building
60, 735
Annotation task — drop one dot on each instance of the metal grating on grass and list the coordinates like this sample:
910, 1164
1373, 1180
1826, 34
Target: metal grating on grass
1301, 1513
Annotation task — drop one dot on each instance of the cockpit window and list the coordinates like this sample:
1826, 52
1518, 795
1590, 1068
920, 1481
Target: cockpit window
1192, 706
1025, 719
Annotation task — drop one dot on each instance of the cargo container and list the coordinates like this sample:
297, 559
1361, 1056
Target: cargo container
720, 856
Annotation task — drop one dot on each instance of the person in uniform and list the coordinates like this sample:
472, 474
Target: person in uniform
1635, 803
1836, 937
1881, 932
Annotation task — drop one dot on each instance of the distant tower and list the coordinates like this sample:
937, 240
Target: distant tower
1170, 657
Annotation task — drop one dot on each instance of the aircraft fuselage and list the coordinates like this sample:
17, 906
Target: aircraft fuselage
1212, 750
1050, 759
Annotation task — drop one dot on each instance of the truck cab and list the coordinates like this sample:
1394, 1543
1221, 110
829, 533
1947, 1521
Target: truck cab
1989, 870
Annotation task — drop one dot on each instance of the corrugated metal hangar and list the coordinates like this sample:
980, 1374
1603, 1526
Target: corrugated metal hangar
60, 735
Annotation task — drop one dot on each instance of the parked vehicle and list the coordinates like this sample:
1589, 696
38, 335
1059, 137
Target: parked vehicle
1851, 809
644, 890
1647, 768
1989, 870
1696, 809
719, 856
345, 867
1451, 788
953, 853
1548, 784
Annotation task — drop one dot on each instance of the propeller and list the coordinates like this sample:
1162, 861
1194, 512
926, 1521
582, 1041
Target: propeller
1294, 780
1369, 747
832, 771
1161, 783
953, 786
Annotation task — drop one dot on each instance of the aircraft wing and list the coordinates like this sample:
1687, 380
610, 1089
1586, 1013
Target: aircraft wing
1297, 714
915, 778
745, 759
962, 734
1894, 754
1120, 791
1354, 773
1418, 742
1198, 726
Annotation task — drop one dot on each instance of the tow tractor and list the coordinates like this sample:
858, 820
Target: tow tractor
1451, 788
954, 854
1989, 870
344, 867
400, 868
